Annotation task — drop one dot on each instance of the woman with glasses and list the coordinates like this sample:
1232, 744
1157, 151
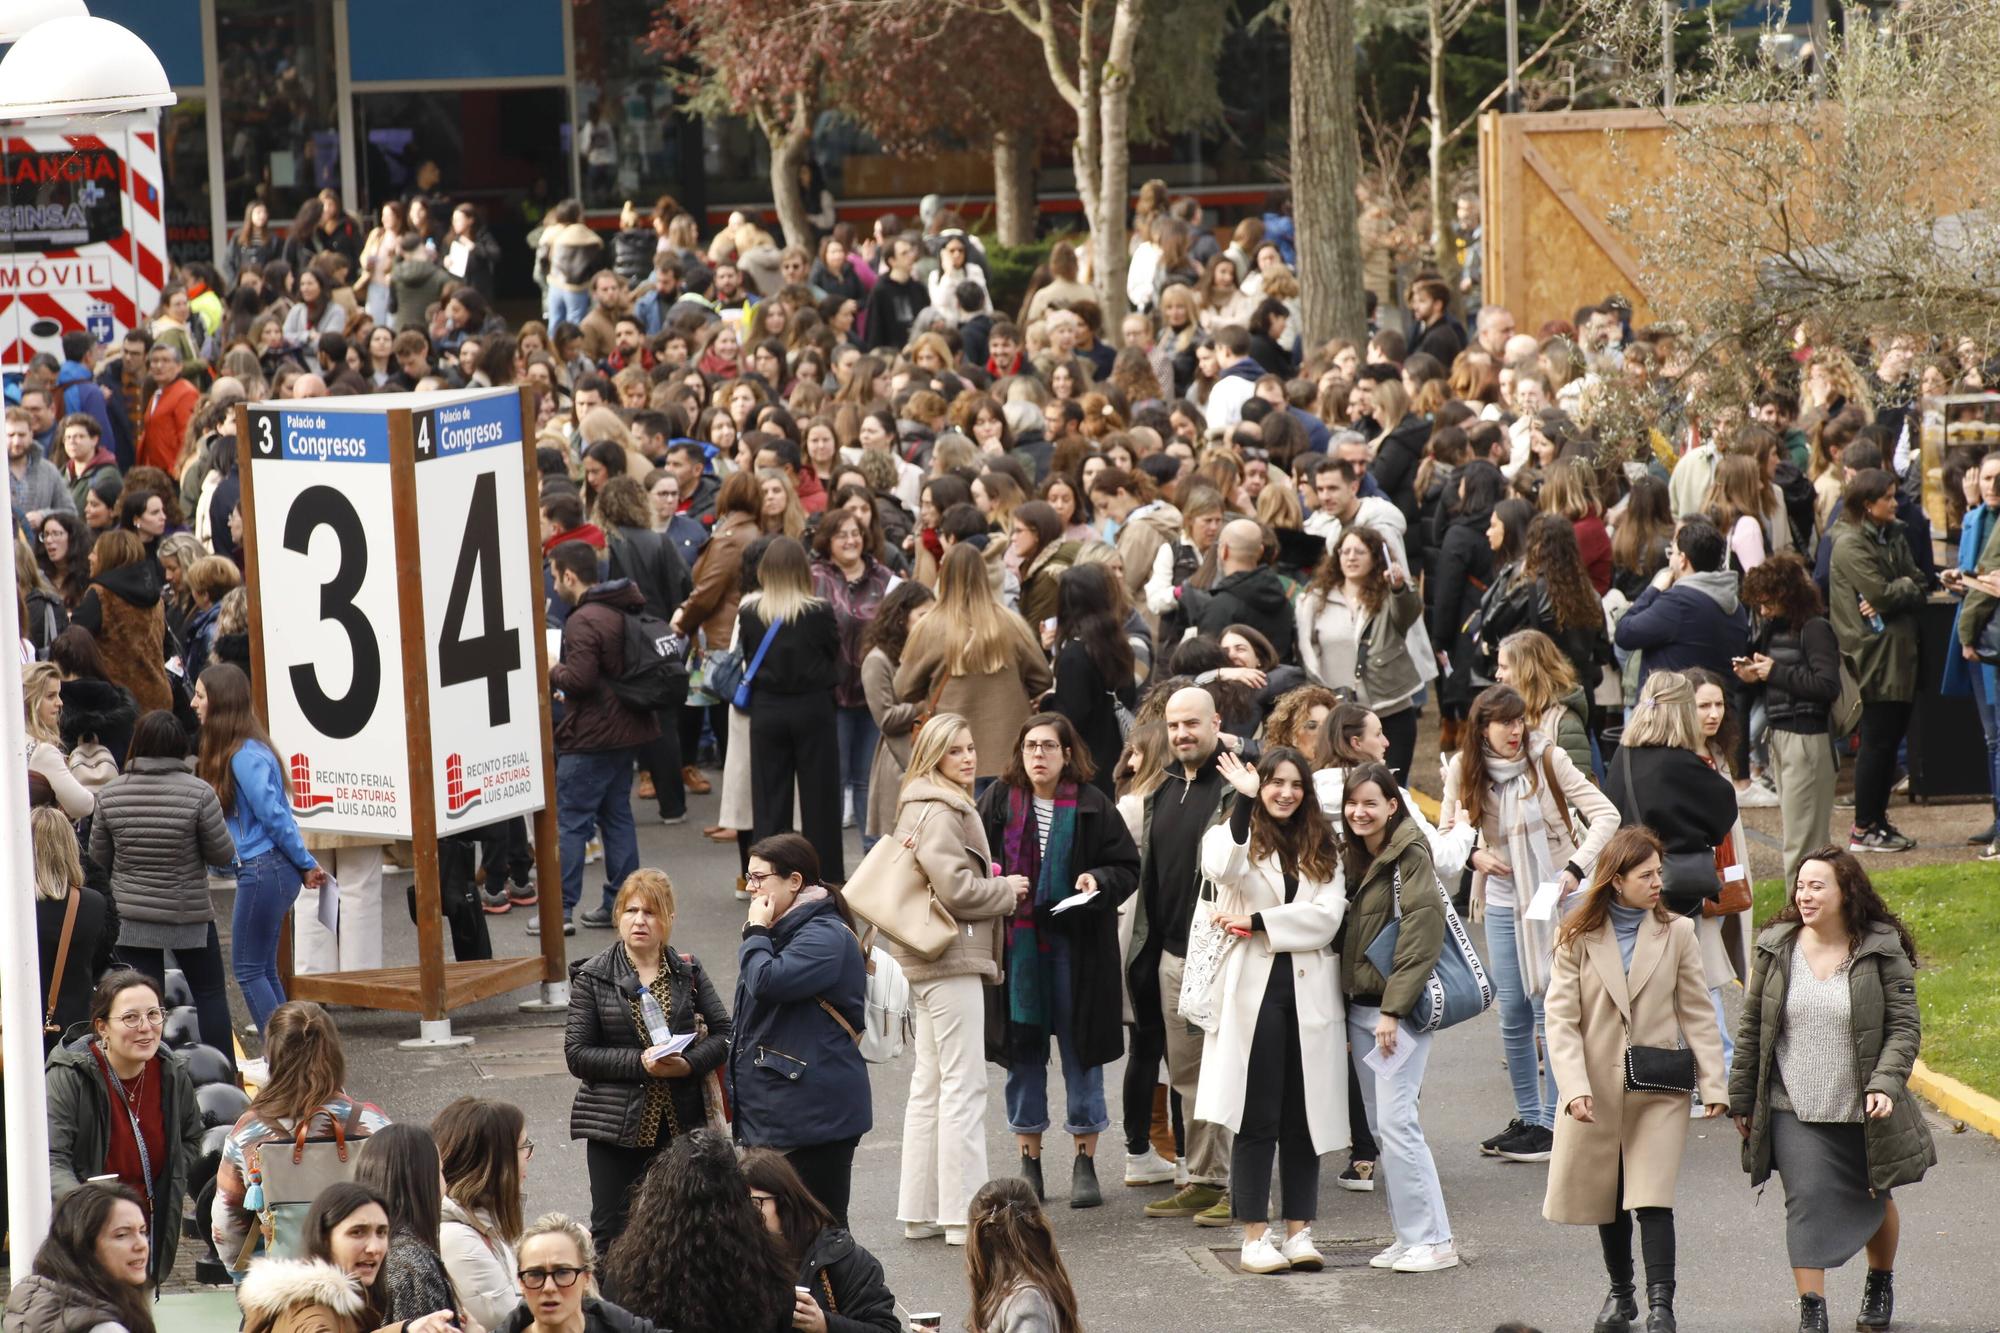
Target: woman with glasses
559, 1295
121, 1104
483, 1149
840, 1287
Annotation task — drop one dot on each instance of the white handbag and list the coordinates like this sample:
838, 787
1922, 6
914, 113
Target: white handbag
1208, 949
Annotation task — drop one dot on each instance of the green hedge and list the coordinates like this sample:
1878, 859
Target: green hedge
1008, 268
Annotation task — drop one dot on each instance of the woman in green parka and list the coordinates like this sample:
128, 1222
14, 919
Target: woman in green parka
1820, 1087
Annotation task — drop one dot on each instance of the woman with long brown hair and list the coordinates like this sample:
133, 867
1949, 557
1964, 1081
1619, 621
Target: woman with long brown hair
1018, 1281
1627, 976
305, 1078
1353, 633
1743, 509
238, 759
1643, 537
836, 1278
1553, 594
1280, 880
90, 1271
1536, 669
483, 1150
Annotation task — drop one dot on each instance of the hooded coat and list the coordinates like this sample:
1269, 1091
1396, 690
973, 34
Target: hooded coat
1875, 563
1697, 622
1256, 597
98, 710
593, 651
122, 608
303, 1296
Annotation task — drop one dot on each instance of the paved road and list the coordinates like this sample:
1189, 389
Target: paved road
1139, 1274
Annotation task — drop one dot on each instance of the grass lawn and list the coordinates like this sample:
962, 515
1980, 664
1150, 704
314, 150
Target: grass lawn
1954, 912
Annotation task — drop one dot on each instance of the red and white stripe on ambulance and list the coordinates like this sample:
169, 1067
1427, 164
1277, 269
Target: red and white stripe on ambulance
83, 237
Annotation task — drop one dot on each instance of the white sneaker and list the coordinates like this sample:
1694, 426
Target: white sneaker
1180, 1173
1261, 1256
593, 851
1389, 1257
955, 1235
1756, 796
1301, 1253
921, 1230
1427, 1258
1149, 1168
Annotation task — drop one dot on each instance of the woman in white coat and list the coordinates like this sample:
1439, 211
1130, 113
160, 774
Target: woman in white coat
1281, 896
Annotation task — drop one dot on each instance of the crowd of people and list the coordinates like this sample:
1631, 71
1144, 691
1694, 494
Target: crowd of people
1123, 641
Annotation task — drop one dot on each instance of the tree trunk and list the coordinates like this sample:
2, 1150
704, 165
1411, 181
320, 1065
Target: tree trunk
1115, 174
789, 140
1443, 243
1326, 157
1014, 187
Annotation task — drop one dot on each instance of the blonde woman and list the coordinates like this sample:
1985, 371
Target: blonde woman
779, 510
559, 1286
1744, 511
1542, 675
971, 655
41, 701
1660, 779
58, 875
1189, 557
944, 1134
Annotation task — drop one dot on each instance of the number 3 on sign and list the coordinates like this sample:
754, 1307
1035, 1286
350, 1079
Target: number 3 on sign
496, 651
325, 507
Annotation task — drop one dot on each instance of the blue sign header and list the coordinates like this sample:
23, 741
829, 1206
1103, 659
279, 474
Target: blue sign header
319, 437
454, 429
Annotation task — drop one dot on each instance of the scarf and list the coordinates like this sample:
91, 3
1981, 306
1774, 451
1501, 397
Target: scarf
1516, 783
1030, 962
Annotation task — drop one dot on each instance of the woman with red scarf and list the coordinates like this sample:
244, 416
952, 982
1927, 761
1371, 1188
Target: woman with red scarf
1045, 821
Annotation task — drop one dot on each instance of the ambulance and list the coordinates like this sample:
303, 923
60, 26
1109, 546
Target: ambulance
83, 237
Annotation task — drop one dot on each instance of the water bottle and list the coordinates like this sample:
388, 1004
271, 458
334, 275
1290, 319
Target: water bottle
1875, 625
656, 1018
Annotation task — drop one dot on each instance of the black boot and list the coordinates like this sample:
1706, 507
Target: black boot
1083, 1190
1031, 1171
1812, 1314
1660, 1308
1878, 1300
1620, 1309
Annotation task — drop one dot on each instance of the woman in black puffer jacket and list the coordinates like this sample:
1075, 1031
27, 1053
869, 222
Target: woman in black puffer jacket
845, 1281
1795, 659
629, 1108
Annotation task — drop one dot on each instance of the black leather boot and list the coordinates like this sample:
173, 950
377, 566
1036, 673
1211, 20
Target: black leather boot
1083, 1190
1812, 1315
1660, 1308
1878, 1300
1620, 1309
1031, 1171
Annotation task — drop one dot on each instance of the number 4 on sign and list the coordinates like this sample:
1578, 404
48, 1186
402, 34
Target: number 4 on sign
424, 434
496, 653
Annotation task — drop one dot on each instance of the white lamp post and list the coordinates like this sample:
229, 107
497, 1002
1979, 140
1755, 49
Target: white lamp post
63, 63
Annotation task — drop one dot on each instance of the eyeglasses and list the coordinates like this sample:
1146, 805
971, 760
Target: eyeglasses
755, 878
534, 1279
761, 1199
1042, 747
149, 1018
527, 1150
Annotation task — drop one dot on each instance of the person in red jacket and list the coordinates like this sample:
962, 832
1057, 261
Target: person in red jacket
169, 405
599, 735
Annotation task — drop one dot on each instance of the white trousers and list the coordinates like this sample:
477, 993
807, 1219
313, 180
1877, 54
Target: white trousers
359, 948
944, 1126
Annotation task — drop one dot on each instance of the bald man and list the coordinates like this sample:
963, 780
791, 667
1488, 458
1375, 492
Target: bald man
1193, 797
1248, 593
309, 386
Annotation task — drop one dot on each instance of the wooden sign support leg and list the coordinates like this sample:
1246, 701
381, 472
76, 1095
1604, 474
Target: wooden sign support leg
548, 847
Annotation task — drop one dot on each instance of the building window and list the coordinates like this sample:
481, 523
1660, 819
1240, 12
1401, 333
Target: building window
631, 141
280, 125
184, 163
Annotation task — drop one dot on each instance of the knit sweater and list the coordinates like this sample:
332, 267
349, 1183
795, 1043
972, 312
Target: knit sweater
1815, 1046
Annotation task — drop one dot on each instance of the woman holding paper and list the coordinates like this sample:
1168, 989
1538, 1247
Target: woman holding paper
1524, 794
1046, 821
1626, 991
1279, 876
641, 1089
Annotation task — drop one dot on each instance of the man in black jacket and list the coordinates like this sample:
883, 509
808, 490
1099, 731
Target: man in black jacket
1436, 333
598, 735
655, 567
1248, 593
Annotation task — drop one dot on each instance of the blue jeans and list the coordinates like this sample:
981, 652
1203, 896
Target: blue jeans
594, 794
1722, 1021
266, 888
1028, 1083
1521, 1026
1987, 699
567, 307
857, 752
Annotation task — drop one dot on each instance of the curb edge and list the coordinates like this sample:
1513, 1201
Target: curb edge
1957, 1100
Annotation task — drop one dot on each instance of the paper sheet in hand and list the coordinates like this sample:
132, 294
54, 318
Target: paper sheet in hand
1074, 900
1387, 1065
329, 905
1542, 907
673, 1045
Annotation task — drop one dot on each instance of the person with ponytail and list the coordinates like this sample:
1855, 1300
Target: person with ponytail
1627, 974
1018, 1281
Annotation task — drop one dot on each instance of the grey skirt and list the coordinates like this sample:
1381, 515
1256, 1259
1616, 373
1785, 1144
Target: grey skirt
1829, 1213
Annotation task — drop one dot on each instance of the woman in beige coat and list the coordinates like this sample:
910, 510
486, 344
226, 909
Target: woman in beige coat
973, 657
944, 1132
1626, 974
1523, 794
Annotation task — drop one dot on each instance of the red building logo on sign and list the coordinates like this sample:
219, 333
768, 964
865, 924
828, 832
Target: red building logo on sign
305, 801
458, 798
